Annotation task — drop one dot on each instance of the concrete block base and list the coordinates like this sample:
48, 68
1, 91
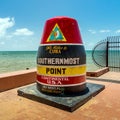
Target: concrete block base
65, 102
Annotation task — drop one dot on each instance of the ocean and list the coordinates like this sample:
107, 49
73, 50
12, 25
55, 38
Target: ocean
21, 60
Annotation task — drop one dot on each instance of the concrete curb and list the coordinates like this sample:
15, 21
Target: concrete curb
16, 79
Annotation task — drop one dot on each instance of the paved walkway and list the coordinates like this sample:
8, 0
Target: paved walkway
111, 75
104, 106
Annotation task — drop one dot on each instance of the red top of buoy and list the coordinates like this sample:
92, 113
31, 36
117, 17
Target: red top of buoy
61, 30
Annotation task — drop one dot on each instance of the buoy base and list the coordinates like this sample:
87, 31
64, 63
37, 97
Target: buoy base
52, 90
66, 102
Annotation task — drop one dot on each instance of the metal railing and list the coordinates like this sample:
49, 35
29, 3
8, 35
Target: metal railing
107, 53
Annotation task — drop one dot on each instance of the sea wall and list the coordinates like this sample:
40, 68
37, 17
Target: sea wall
98, 72
17, 79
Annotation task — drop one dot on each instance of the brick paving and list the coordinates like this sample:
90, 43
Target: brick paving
104, 106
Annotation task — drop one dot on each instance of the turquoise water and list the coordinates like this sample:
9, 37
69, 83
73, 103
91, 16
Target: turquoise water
17, 60
20, 60
90, 64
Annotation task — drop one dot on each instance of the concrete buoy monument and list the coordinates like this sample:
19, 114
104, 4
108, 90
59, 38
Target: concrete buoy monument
61, 59
61, 67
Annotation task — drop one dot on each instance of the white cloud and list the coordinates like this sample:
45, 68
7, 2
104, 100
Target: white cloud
2, 43
104, 31
5, 23
23, 31
92, 31
117, 31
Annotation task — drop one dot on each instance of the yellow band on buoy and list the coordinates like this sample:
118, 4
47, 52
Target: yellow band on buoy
61, 70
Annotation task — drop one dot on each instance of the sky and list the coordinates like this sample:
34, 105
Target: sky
22, 21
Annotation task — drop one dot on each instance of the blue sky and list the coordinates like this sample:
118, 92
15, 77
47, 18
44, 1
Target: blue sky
22, 21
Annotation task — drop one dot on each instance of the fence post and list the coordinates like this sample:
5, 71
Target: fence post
107, 46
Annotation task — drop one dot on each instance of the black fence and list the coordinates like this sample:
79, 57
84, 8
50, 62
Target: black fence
107, 53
